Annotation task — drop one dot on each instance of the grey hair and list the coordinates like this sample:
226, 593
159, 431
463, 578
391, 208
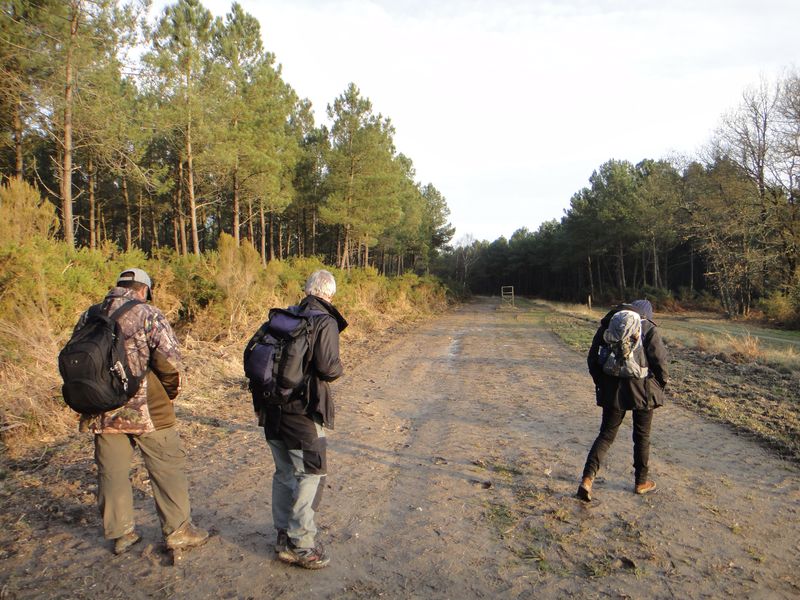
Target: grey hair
321, 283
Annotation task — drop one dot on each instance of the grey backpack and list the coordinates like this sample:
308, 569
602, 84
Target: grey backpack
622, 355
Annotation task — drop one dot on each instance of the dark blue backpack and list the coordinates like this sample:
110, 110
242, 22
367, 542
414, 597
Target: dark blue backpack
276, 358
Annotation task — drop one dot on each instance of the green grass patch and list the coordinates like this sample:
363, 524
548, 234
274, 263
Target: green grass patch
575, 332
506, 471
501, 516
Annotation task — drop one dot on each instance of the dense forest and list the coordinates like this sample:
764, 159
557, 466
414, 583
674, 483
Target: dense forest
722, 228
162, 133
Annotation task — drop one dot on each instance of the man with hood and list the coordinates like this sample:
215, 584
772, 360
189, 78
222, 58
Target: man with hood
619, 391
295, 432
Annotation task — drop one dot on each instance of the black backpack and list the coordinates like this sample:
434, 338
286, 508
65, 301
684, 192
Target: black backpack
94, 364
276, 358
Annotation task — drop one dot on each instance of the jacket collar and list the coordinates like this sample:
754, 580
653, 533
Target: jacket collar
117, 293
317, 303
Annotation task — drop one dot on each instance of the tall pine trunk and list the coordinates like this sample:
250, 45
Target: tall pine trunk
621, 269
190, 170
154, 226
345, 258
102, 230
92, 203
140, 220
271, 237
656, 272
128, 227
263, 234
66, 168
18, 139
250, 232
236, 207
175, 237
313, 232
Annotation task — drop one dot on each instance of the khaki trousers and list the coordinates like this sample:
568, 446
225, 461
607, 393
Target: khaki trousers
165, 461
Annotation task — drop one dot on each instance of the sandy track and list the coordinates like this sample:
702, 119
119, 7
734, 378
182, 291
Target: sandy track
457, 451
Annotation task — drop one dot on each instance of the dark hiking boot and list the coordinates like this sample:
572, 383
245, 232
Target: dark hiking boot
645, 487
585, 490
122, 543
282, 542
308, 558
186, 536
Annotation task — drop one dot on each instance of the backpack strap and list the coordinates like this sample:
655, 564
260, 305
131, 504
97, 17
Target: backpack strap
115, 316
310, 352
124, 309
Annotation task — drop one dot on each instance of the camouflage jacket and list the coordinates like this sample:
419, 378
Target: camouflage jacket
150, 344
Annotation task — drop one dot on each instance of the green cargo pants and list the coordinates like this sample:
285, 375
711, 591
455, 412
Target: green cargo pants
165, 461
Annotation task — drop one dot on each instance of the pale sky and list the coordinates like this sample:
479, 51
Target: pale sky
507, 106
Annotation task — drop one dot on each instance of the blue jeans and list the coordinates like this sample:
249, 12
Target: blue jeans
296, 486
612, 419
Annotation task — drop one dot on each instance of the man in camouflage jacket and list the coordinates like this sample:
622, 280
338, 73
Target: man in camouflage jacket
147, 421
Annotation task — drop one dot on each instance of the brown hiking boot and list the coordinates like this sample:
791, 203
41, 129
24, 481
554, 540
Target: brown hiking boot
122, 543
645, 487
585, 490
186, 536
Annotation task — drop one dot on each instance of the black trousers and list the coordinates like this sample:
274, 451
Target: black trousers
612, 419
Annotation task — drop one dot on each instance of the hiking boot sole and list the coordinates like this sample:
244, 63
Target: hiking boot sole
187, 545
290, 558
647, 490
127, 544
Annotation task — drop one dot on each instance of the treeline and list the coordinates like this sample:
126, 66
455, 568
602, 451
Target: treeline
725, 225
197, 136
215, 300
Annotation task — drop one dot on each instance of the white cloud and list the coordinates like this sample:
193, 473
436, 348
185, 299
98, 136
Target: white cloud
507, 106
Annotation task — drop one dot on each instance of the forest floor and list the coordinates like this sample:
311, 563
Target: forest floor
453, 468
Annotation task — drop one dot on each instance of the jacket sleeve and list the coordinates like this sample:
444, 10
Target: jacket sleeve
165, 358
656, 354
167, 373
595, 368
326, 350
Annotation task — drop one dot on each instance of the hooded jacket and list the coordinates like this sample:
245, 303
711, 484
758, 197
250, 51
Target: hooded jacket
325, 364
628, 393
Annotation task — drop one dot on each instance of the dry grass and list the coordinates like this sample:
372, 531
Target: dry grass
31, 410
702, 343
745, 349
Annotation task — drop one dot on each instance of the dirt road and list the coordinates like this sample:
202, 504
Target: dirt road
457, 452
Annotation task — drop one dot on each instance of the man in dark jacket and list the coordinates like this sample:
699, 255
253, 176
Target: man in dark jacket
295, 433
146, 422
617, 394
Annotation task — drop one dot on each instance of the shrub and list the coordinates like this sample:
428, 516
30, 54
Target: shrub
221, 295
23, 213
780, 307
661, 298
